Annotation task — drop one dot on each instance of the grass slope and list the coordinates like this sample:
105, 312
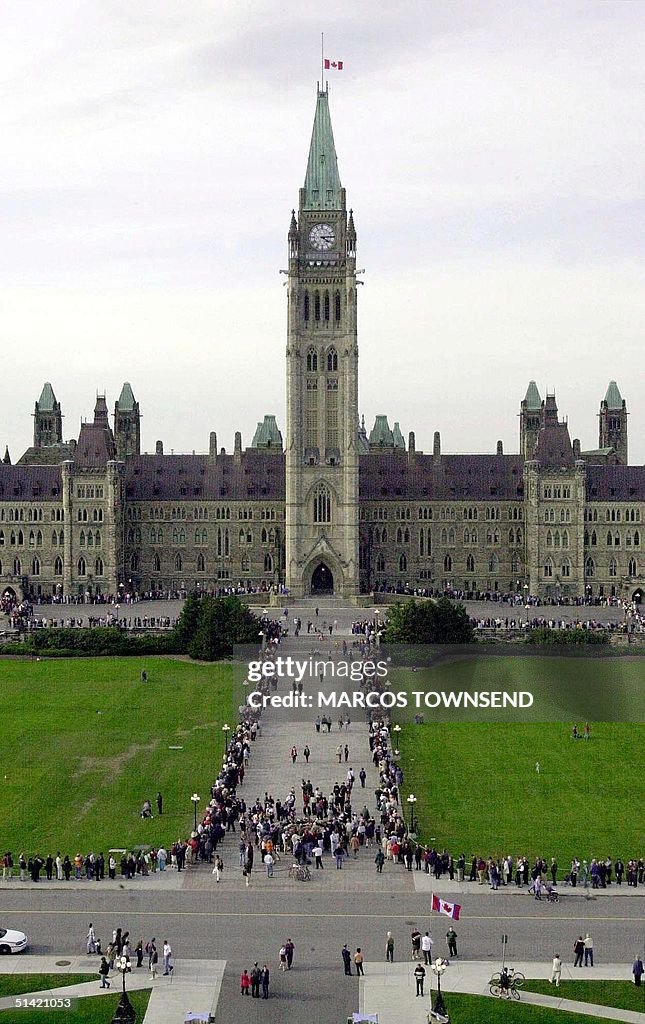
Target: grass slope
483, 1010
622, 994
476, 782
15, 984
84, 742
89, 1010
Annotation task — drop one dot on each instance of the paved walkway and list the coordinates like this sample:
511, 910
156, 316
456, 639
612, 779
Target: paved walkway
194, 984
389, 989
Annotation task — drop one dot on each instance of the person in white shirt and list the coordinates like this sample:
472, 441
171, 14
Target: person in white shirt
556, 970
426, 947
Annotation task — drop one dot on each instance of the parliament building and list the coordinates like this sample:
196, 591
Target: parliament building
329, 507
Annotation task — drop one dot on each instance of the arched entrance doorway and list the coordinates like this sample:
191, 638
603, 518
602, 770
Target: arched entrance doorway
10, 594
637, 596
322, 581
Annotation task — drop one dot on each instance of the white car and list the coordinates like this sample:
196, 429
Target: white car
12, 941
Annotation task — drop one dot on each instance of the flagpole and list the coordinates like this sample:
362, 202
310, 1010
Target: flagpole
322, 61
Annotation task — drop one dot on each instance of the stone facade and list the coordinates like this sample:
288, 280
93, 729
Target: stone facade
330, 508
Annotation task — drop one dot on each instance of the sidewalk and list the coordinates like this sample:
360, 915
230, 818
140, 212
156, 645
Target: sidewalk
194, 984
389, 989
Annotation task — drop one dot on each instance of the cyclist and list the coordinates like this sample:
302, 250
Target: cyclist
504, 984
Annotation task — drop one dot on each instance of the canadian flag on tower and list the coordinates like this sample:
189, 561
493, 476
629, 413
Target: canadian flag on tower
333, 65
443, 907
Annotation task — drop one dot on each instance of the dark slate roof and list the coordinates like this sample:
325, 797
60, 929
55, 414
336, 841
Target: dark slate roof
615, 483
553, 447
26, 482
391, 475
95, 446
48, 455
257, 476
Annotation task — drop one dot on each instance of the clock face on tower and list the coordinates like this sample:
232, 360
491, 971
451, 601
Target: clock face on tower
321, 236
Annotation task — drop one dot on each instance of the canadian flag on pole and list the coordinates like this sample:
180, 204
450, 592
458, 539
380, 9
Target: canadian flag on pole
443, 907
333, 65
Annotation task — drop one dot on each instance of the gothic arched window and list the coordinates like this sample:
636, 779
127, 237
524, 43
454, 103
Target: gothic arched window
337, 306
322, 504
201, 564
98, 567
470, 563
632, 569
82, 568
268, 563
312, 360
306, 306
447, 563
58, 566
316, 305
590, 567
156, 563
332, 360
380, 563
178, 563
326, 306
35, 567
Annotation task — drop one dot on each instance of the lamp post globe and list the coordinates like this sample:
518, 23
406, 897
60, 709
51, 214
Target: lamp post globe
195, 799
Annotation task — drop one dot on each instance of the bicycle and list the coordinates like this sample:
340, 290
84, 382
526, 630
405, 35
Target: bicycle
515, 981
300, 872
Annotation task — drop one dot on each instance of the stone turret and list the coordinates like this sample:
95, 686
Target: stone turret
48, 419
530, 420
127, 424
613, 423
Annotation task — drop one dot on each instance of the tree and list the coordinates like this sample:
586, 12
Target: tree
210, 627
428, 622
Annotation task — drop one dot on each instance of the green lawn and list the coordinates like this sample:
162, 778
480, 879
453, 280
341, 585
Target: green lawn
483, 1010
85, 742
476, 783
16, 984
622, 994
89, 1010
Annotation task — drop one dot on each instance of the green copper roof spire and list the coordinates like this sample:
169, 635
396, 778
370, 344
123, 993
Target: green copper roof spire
613, 398
322, 189
126, 402
47, 400
532, 397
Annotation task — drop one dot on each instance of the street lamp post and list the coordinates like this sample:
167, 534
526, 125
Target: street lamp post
125, 1013
411, 802
396, 729
439, 967
226, 729
195, 799
526, 601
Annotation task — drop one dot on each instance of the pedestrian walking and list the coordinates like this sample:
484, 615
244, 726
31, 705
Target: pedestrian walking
340, 854
307, 753
347, 959
294, 755
104, 970
426, 948
282, 958
269, 862
362, 776
91, 940
346, 753
318, 855
588, 941
246, 873
556, 971
451, 939
389, 948
358, 961
339, 752
159, 800
167, 954
578, 950
219, 867
419, 977
415, 938
637, 969
289, 949
138, 949
379, 860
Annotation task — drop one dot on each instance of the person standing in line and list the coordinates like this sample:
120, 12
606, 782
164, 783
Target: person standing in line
556, 971
264, 981
451, 939
637, 969
347, 960
358, 960
419, 977
588, 941
426, 949
578, 949
389, 948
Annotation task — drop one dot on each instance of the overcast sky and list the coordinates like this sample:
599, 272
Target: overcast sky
151, 153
